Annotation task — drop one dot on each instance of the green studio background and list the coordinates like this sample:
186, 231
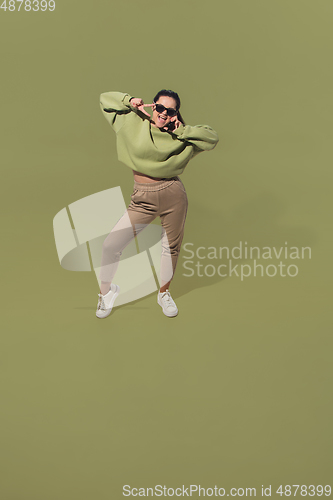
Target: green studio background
235, 391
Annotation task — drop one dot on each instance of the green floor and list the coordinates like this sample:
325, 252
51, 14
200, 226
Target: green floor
235, 392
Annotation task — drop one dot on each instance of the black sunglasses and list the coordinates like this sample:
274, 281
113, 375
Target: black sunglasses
170, 111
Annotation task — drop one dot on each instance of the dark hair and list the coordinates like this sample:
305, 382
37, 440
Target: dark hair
175, 96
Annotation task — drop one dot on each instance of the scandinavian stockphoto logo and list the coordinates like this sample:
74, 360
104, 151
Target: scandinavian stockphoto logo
81, 229
220, 261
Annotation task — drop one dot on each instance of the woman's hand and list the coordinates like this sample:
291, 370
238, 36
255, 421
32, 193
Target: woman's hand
174, 120
138, 103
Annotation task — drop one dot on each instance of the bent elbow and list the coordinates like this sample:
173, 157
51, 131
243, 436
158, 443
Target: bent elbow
213, 140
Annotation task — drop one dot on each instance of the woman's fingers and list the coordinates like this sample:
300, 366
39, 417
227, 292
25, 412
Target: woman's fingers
139, 104
177, 123
141, 108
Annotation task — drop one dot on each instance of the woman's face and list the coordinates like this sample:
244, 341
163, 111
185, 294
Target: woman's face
162, 119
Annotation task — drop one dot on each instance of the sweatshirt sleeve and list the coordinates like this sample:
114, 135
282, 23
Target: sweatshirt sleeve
114, 103
202, 136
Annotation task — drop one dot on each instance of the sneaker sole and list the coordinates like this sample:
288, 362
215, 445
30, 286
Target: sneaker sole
169, 315
108, 312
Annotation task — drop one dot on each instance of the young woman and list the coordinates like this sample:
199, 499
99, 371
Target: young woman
157, 149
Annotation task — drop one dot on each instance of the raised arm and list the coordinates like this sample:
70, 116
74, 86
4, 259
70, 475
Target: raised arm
202, 136
113, 104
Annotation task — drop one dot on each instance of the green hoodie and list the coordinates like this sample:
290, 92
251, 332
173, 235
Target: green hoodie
148, 149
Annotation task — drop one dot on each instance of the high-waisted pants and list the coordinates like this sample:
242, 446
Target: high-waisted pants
166, 199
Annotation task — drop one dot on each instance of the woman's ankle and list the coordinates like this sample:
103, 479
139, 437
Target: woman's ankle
105, 288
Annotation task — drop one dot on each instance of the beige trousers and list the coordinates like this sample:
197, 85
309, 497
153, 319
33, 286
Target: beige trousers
166, 199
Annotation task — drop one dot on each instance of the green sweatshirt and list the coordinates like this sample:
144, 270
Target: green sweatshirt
148, 149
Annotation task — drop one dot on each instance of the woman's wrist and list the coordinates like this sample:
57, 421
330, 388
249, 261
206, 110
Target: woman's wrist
127, 100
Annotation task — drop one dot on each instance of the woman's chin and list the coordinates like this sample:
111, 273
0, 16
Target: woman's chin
158, 123
161, 123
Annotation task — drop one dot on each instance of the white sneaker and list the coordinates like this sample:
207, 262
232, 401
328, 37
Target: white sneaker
169, 307
105, 302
